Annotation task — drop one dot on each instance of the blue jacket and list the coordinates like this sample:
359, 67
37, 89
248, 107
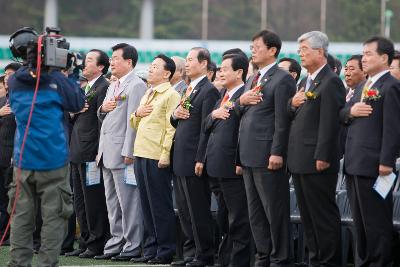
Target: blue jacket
46, 146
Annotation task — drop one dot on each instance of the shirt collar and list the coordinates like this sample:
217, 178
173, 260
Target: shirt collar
264, 70
377, 76
234, 90
162, 87
93, 81
123, 78
315, 73
195, 82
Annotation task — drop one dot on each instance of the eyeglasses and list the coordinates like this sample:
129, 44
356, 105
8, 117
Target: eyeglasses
256, 48
305, 49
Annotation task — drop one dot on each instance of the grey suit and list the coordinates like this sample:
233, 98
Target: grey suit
180, 87
116, 142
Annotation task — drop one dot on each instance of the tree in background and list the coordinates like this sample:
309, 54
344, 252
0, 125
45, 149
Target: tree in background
347, 21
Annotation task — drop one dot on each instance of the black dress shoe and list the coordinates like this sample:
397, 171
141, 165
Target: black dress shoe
143, 259
160, 260
74, 253
181, 262
199, 263
106, 256
122, 258
88, 254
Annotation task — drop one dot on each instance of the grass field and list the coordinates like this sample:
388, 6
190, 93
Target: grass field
71, 261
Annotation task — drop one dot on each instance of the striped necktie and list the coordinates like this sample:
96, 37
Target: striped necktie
365, 89
255, 80
188, 91
117, 88
87, 89
308, 83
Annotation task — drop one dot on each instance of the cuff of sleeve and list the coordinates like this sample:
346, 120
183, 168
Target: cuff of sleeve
165, 157
133, 120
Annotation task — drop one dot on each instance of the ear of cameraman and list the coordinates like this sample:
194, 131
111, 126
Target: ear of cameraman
44, 162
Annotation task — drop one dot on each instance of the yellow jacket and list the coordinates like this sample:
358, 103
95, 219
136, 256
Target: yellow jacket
155, 132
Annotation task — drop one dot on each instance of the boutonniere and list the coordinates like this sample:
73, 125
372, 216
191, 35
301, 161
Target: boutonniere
120, 98
371, 94
185, 103
194, 91
257, 90
229, 105
311, 95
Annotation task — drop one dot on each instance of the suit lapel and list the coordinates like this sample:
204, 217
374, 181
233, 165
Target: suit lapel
197, 88
125, 83
380, 82
315, 85
268, 75
249, 82
357, 92
96, 83
320, 76
301, 84
264, 80
235, 96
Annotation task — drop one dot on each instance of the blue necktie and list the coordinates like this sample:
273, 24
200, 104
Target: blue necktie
308, 83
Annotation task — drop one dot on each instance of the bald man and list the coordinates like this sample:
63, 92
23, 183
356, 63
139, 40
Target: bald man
178, 80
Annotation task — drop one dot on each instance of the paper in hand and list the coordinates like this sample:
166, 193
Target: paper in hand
384, 184
92, 173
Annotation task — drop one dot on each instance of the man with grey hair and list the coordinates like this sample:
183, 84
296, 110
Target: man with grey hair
178, 80
313, 154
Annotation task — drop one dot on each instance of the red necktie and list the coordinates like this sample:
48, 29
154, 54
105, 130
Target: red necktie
255, 80
225, 99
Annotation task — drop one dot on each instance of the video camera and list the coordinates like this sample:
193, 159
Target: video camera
54, 48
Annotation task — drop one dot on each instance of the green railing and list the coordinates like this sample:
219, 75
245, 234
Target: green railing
146, 57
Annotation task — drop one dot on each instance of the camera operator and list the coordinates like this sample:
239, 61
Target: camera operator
44, 175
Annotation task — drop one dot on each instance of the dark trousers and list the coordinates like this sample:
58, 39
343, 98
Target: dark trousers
5, 179
233, 193
196, 209
373, 221
320, 217
225, 242
156, 198
91, 210
189, 248
268, 203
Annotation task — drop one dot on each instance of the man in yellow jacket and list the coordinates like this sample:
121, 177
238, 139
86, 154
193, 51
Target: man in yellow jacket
152, 167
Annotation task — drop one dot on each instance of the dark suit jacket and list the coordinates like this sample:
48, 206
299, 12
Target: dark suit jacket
375, 139
264, 128
223, 141
314, 133
343, 127
85, 133
7, 133
190, 140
